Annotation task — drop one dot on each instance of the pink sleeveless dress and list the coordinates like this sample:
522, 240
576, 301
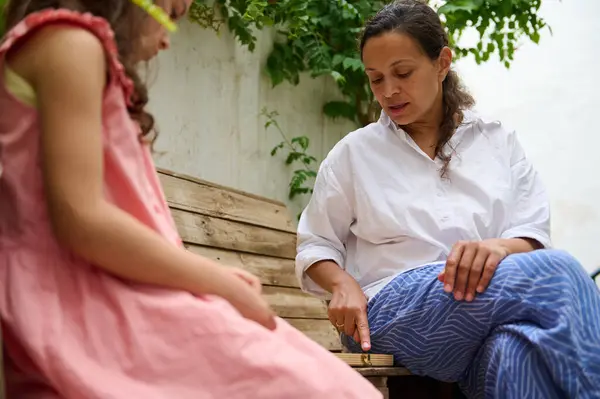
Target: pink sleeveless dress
73, 331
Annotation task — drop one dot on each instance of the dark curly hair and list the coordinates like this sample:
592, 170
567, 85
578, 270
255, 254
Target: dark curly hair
125, 19
416, 19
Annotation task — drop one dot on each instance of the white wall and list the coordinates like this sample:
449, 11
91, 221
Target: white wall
550, 96
210, 91
207, 100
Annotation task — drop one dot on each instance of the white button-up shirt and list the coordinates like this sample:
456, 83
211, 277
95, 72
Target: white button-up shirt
380, 207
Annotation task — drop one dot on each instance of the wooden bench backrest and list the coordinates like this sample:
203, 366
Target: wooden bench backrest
252, 233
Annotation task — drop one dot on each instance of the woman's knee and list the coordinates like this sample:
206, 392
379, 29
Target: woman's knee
543, 263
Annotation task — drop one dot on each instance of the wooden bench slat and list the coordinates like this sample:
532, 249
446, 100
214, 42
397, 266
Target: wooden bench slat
220, 233
270, 270
184, 192
320, 331
383, 371
367, 360
293, 303
258, 235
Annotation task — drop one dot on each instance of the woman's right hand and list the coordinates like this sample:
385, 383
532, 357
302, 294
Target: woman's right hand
348, 311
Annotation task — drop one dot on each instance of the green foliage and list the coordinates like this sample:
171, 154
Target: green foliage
319, 37
502, 26
241, 17
295, 152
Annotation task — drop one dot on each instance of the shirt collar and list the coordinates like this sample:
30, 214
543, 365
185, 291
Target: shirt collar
386, 121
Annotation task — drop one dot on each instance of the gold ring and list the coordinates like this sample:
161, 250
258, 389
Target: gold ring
339, 325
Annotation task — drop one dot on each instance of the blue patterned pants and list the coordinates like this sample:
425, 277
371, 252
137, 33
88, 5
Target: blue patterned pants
534, 333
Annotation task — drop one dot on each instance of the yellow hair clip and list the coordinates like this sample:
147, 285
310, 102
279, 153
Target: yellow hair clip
157, 13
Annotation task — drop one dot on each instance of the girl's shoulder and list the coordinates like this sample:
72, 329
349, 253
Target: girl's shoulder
81, 32
38, 20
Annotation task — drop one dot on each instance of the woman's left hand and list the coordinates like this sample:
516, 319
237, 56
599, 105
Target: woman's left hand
471, 266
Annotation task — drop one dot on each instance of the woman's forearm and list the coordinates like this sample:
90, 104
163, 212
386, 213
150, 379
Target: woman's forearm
519, 245
328, 275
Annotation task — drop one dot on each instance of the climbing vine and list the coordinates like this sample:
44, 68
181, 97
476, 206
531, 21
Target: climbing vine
296, 154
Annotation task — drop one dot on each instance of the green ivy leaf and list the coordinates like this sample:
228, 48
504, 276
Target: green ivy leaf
338, 59
453, 6
292, 157
338, 77
340, 109
277, 147
307, 160
302, 141
353, 63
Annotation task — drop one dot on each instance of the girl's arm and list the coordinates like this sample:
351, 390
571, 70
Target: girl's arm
67, 68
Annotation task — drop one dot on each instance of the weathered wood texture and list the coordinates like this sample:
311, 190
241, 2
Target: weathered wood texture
191, 194
270, 270
366, 359
383, 371
256, 234
252, 233
236, 236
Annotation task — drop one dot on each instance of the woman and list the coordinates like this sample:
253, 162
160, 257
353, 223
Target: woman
427, 227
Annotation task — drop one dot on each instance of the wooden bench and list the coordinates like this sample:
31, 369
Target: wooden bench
258, 235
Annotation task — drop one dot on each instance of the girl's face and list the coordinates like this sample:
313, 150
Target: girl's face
154, 36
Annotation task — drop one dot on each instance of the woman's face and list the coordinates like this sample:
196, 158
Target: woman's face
154, 36
404, 80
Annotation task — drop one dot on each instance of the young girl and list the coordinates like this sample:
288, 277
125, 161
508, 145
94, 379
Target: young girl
98, 297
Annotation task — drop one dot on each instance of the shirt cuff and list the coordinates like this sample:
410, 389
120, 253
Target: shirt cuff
529, 232
308, 257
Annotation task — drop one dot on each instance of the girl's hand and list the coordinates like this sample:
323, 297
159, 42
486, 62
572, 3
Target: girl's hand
247, 277
471, 266
348, 312
244, 294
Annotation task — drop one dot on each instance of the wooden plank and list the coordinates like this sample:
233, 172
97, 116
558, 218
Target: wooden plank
366, 359
293, 303
320, 331
219, 186
214, 232
187, 193
383, 371
270, 270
